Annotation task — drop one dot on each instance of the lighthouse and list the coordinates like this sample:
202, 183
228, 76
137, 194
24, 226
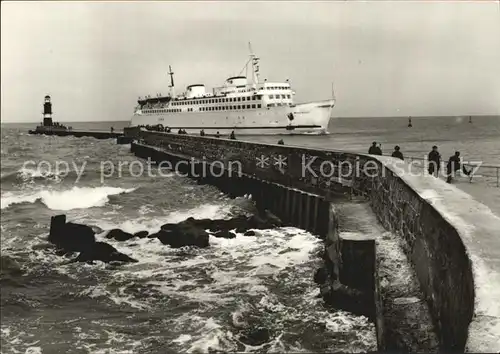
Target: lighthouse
47, 112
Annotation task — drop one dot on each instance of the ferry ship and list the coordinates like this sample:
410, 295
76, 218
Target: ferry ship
248, 107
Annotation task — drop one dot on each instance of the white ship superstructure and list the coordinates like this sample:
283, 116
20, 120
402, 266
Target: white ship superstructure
239, 105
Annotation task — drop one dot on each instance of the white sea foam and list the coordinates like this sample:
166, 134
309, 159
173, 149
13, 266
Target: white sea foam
183, 338
27, 174
74, 198
229, 271
119, 297
233, 278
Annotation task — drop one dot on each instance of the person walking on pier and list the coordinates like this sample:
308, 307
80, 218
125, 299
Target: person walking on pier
397, 153
112, 129
217, 135
434, 160
202, 132
232, 136
454, 165
374, 149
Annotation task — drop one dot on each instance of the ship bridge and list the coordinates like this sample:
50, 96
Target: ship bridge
276, 93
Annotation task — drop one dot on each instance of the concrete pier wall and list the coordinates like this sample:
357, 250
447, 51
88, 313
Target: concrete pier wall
313, 171
298, 184
436, 251
454, 245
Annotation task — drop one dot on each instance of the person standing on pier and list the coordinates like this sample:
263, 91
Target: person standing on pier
202, 132
232, 136
434, 160
397, 153
374, 149
454, 165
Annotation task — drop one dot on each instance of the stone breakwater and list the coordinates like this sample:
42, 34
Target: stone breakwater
41, 130
448, 266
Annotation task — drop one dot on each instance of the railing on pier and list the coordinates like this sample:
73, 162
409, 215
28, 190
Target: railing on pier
479, 170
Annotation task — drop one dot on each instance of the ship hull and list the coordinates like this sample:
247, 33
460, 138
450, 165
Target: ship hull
306, 118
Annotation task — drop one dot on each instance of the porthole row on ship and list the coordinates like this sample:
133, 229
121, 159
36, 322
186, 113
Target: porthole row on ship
196, 102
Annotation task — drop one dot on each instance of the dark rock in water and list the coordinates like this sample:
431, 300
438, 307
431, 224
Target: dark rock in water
191, 232
102, 251
256, 336
57, 223
9, 266
321, 276
240, 223
70, 236
185, 233
119, 235
249, 233
78, 237
141, 234
224, 234
229, 224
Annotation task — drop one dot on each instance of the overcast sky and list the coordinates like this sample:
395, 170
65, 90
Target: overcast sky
384, 58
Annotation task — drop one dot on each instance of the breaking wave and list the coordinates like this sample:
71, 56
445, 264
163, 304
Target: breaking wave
31, 175
74, 198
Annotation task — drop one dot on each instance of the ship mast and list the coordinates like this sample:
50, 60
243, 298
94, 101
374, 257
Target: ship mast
172, 86
255, 66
